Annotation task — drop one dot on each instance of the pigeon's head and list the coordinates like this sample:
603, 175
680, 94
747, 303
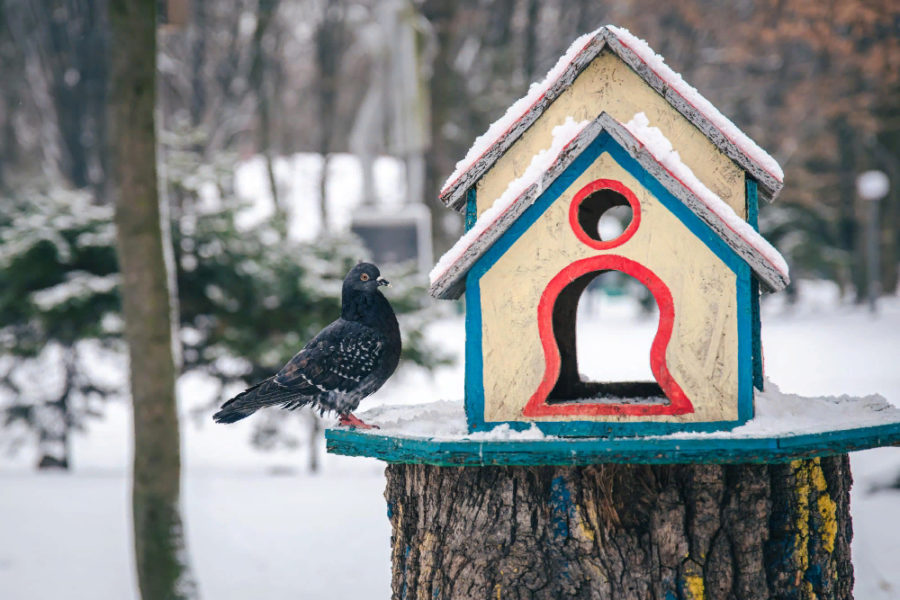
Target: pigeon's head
364, 277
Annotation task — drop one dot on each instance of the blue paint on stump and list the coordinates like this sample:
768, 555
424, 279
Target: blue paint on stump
560, 506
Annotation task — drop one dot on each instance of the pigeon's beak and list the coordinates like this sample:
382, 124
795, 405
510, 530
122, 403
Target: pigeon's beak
382, 281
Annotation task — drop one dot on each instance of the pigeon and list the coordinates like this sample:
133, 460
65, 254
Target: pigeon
345, 362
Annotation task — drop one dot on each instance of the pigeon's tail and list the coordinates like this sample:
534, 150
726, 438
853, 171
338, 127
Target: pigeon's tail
265, 393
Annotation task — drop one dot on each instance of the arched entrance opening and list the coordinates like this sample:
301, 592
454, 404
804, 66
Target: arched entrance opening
562, 391
592, 361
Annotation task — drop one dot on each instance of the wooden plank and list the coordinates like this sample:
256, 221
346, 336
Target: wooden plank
583, 451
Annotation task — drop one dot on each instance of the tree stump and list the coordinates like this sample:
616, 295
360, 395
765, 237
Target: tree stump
667, 532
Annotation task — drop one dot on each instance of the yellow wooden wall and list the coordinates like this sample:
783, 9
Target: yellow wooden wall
703, 353
608, 84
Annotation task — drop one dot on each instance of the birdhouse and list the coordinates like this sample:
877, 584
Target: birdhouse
611, 126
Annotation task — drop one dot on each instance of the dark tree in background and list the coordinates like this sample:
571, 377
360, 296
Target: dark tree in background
59, 309
65, 50
147, 303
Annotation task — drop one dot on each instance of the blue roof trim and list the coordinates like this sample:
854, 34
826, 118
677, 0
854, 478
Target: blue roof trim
585, 451
474, 373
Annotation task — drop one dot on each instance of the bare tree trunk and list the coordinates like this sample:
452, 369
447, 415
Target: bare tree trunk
329, 41
622, 531
531, 33
147, 302
315, 432
446, 91
264, 95
53, 440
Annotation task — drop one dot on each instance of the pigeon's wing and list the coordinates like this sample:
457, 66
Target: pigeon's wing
336, 360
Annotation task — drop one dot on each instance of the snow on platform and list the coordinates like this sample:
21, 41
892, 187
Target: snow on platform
785, 427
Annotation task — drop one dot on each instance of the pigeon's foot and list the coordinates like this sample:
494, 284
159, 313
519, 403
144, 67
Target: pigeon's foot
350, 421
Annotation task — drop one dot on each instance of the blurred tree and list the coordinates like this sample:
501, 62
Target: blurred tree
58, 306
811, 81
249, 298
265, 88
148, 297
62, 48
330, 42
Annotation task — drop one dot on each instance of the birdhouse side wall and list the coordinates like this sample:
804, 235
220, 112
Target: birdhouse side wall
608, 84
704, 353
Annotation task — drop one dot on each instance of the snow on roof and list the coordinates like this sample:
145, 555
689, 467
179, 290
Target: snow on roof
661, 148
648, 65
536, 91
562, 135
654, 153
695, 99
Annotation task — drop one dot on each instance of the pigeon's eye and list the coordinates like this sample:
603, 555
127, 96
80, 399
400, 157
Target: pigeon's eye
364, 277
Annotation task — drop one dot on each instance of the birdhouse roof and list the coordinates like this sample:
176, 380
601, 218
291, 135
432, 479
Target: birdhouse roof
651, 67
653, 152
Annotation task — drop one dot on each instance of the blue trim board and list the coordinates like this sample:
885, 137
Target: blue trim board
752, 202
594, 450
471, 208
474, 392
753, 219
474, 378
745, 281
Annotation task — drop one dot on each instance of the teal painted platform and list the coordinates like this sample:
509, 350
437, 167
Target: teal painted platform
585, 451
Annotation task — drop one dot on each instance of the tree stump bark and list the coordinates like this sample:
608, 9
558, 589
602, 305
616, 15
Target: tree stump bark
625, 532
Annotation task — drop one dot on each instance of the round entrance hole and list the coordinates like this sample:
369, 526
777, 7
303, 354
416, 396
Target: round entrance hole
604, 215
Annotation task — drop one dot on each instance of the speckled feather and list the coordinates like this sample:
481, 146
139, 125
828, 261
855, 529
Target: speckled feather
347, 361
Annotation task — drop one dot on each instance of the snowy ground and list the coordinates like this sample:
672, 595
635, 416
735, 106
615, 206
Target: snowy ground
259, 527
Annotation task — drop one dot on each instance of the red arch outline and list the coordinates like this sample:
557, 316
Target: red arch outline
679, 403
594, 186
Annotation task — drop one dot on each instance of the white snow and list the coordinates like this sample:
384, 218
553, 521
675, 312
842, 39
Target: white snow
776, 414
78, 284
540, 162
695, 99
661, 148
258, 527
297, 179
674, 80
441, 420
518, 108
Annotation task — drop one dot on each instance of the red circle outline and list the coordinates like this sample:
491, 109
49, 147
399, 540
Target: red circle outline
594, 186
679, 403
